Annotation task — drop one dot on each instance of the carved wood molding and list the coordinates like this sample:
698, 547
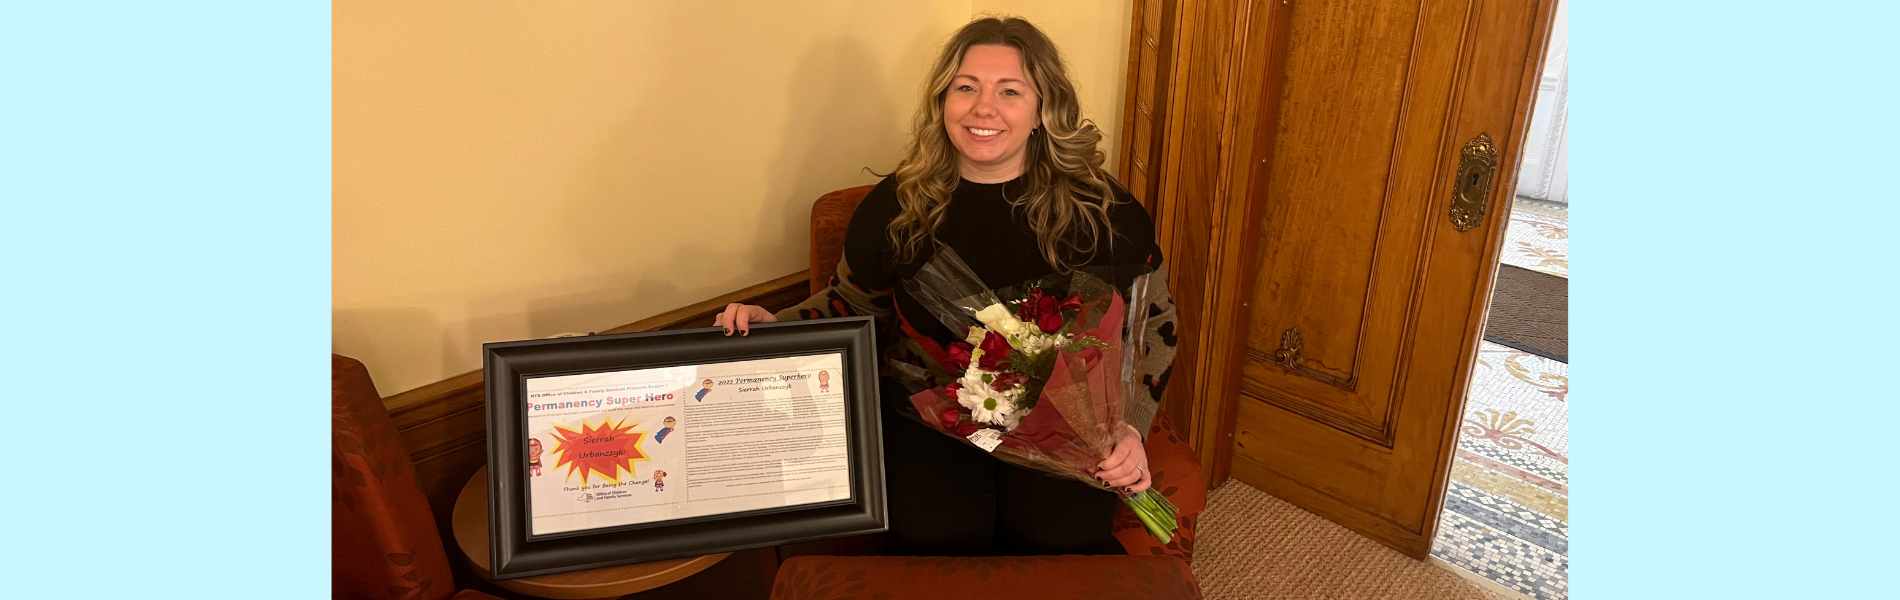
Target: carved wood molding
1290, 356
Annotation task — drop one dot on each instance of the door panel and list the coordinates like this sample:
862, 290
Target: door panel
1367, 301
1303, 189
1354, 168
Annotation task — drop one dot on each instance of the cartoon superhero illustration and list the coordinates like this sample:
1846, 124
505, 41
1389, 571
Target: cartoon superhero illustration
659, 481
701, 396
824, 382
534, 457
669, 425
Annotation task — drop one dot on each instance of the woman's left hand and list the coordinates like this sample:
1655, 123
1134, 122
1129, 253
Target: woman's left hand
1127, 465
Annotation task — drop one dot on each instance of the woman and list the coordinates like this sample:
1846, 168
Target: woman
1003, 170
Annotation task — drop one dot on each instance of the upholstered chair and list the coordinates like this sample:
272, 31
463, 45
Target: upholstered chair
383, 541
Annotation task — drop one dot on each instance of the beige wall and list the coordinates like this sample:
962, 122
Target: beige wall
514, 170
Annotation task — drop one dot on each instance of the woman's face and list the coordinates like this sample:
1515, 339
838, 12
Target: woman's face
988, 112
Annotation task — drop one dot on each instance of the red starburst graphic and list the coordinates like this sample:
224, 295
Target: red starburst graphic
604, 450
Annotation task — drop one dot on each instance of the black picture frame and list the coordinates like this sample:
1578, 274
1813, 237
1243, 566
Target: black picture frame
508, 365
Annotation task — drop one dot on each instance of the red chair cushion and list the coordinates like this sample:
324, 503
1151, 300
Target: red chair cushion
1042, 577
383, 540
1177, 474
830, 217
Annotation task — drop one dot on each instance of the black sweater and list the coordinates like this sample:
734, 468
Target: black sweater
991, 235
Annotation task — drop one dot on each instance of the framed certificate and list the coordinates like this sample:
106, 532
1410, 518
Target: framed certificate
615, 449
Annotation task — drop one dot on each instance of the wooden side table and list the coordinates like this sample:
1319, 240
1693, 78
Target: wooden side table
470, 522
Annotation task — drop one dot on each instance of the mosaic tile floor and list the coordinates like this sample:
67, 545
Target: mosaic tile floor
1507, 515
1538, 238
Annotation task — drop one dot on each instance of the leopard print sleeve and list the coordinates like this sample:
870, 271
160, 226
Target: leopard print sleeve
845, 297
1154, 356
863, 282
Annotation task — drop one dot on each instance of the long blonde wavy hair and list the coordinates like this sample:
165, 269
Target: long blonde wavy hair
1067, 195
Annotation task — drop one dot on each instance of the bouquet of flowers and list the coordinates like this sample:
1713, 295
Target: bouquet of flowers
1043, 368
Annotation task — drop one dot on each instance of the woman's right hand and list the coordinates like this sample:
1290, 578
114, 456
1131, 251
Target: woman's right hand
742, 316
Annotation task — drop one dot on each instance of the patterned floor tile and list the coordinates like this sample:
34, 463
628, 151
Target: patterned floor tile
1498, 556
1482, 448
1506, 514
1538, 238
1557, 524
1509, 523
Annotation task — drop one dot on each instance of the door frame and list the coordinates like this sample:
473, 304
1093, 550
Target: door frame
1191, 151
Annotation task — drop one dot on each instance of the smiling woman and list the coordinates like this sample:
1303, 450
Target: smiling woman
1002, 98
1003, 170
989, 113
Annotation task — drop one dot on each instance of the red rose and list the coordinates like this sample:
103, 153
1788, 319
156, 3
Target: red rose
1049, 314
995, 352
949, 418
953, 387
959, 353
1030, 306
966, 428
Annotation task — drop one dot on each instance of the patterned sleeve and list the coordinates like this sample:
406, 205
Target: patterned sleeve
865, 276
845, 297
1154, 357
1154, 350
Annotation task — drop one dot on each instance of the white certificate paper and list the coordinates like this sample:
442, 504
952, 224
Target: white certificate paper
638, 446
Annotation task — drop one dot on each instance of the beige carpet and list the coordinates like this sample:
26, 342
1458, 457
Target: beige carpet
1252, 545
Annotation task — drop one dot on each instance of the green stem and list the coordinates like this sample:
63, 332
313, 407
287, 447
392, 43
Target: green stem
1153, 527
1155, 513
1164, 503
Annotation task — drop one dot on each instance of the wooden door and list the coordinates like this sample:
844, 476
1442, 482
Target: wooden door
1304, 189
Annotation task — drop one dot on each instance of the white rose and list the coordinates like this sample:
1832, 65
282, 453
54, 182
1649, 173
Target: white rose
999, 319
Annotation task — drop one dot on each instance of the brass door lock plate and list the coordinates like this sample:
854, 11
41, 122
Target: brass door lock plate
1468, 192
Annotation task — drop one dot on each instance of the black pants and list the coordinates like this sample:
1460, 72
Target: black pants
948, 498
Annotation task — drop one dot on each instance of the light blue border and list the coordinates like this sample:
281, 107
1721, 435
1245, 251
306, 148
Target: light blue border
164, 177
1733, 225
165, 231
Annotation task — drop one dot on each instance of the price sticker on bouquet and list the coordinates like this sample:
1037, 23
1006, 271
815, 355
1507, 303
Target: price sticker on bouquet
987, 439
